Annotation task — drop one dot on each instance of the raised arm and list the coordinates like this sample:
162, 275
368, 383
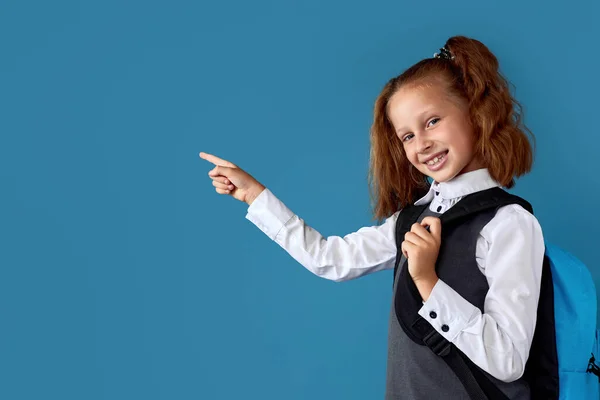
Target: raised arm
337, 258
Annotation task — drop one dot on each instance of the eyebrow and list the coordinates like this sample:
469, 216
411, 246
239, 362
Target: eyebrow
420, 116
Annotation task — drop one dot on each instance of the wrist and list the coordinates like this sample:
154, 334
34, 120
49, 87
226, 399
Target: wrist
425, 285
253, 194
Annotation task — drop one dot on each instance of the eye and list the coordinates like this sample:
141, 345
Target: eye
433, 121
407, 137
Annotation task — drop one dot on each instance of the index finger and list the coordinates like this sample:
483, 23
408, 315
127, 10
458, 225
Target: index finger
216, 160
435, 225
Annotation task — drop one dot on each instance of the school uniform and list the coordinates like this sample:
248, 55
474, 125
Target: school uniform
509, 253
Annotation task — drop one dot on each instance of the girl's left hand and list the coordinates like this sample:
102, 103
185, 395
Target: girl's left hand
421, 249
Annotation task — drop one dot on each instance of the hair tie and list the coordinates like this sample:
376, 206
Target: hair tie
444, 53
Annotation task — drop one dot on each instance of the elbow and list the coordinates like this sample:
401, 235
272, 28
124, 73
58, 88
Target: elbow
511, 377
333, 272
513, 371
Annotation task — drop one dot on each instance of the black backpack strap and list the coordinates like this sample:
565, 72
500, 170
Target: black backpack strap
477, 385
407, 216
482, 201
408, 300
541, 370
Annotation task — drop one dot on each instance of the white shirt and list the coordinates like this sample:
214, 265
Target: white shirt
510, 251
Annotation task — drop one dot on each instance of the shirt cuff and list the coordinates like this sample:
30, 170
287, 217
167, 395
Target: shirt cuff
268, 213
447, 311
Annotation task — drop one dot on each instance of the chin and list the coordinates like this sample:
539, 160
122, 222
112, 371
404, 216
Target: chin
443, 176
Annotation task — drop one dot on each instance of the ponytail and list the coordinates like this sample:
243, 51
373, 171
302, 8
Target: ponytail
502, 144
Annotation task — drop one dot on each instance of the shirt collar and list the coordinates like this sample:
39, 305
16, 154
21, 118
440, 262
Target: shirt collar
459, 186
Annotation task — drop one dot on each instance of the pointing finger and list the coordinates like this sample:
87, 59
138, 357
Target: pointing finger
216, 160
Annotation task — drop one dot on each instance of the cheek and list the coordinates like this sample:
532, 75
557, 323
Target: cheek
465, 143
414, 160
468, 137
470, 144
410, 155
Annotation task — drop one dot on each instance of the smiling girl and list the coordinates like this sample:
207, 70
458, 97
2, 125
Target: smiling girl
446, 128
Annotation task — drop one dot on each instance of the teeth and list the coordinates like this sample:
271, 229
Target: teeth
436, 160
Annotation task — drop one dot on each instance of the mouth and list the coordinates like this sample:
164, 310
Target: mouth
436, 161
435, 158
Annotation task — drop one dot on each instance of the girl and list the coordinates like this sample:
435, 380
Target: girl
450, 118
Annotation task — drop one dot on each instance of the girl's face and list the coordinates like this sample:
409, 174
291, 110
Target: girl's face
435, 131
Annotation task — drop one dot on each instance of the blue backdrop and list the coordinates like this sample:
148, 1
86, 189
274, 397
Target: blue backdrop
125, 276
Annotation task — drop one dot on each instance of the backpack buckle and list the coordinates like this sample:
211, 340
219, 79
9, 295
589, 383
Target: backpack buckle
437, 343
593, 368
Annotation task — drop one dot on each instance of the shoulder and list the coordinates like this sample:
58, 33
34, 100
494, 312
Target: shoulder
513, 220
391, 220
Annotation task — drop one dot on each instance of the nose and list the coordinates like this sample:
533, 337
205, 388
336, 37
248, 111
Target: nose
423, 143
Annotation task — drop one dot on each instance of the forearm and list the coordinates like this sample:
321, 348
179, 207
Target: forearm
336, 258
497, 341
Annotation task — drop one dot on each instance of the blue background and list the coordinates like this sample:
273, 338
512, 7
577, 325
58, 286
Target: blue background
125, 276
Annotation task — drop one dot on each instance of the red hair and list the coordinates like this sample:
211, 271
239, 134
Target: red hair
502, 142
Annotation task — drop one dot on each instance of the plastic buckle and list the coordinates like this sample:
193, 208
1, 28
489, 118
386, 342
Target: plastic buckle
437, 343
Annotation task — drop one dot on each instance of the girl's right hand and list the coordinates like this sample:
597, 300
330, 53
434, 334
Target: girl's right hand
230, 179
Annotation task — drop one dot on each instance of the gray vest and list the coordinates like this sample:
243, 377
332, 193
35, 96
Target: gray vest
414, 372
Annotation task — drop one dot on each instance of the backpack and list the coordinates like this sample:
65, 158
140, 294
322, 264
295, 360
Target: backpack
559, 364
